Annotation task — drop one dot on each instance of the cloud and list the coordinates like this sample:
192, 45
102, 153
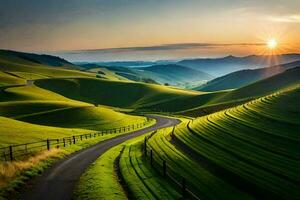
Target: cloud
287, 18
163, 47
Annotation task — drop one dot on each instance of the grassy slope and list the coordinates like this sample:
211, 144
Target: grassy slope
109, 93
204, 184
15, 132
258, 89
265, 86
38, 106
258, 141
15, 64
9, 79
108, 74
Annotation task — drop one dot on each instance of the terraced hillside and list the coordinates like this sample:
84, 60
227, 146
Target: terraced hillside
199, 180
253, 147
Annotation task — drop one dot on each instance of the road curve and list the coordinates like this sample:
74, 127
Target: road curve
58, 182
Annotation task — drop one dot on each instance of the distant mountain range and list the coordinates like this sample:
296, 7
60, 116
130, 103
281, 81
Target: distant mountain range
170, 74
244, 77
221, 66
128, 63
214, 66
178, 72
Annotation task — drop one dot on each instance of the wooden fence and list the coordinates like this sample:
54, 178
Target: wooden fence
19, 151
188, 191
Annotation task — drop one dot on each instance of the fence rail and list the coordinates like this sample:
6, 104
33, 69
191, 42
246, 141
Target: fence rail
161, 166
19, 151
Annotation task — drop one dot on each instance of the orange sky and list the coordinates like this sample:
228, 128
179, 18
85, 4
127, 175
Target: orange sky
53, 25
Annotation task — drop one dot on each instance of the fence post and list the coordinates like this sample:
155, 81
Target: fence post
183, 186
151, 158
145, 145
64, 141
48, 144
4, 155
164, 168
81, 137
74, 140
11, 153
57, 143
90, 135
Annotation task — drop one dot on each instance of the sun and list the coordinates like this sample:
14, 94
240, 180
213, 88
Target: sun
272, 43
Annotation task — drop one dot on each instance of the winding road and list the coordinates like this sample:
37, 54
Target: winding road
58, 182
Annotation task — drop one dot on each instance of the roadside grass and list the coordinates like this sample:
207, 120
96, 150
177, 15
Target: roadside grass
142, 181
258, 141
138, 179
100, 181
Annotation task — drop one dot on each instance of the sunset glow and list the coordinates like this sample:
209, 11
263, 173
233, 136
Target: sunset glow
272, 43
124, 30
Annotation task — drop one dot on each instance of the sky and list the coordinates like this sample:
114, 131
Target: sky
103, 30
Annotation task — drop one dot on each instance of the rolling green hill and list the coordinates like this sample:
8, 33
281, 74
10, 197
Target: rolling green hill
113, 93
38, 109
264, 87
36, 59
10, 79
245, 77
260, 88
151, 97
